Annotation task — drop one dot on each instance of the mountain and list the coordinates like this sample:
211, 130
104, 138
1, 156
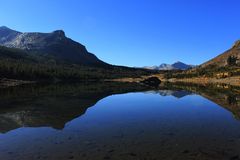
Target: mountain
174, 93
223, 69
163, 66
175, 66
54, 44
225, 58
182, 66
7, 34
54, 105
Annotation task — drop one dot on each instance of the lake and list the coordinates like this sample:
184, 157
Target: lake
119, 121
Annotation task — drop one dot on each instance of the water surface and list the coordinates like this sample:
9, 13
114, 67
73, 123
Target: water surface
112, 121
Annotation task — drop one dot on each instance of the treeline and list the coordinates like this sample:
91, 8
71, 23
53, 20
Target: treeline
19, 69
17, 64
210, 71
232, 68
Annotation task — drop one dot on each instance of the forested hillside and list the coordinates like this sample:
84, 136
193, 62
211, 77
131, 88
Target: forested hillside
19, 64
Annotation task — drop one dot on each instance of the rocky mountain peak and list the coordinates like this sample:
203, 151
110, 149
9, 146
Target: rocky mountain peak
59, 33
3, 27
236, 44
7, 34
6, 29
178, 63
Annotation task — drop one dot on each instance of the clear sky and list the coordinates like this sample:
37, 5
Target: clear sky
134, 32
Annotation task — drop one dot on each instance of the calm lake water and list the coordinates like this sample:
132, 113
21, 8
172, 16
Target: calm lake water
122, 122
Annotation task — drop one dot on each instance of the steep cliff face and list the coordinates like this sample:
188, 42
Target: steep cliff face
54, 44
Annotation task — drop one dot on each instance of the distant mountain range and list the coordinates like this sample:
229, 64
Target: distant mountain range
54, 44
175, 66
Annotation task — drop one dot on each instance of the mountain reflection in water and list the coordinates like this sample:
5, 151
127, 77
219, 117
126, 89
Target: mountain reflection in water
55, 105
173, 121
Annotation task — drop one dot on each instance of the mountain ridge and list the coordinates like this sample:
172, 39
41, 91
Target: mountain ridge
175, 66
55, 44
222, 59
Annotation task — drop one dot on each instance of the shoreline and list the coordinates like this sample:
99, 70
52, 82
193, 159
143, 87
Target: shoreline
233, 81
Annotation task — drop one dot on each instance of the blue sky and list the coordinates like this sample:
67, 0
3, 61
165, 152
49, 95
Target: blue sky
134, 32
